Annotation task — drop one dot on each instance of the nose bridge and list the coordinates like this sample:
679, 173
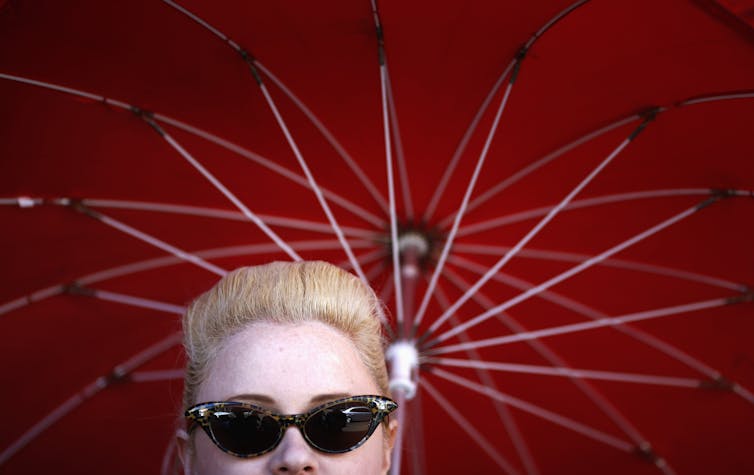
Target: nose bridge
297, 420
294, 455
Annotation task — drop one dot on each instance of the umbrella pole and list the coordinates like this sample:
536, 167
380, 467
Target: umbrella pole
395, 464
402, 354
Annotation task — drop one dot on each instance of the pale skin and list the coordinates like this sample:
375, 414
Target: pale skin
288, 368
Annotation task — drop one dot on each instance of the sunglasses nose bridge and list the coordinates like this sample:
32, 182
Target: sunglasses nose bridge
297, 420
286, 422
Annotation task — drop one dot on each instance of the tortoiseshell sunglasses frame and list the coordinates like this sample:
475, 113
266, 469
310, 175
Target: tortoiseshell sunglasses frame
200, 414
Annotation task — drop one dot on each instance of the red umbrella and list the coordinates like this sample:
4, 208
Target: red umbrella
564, 187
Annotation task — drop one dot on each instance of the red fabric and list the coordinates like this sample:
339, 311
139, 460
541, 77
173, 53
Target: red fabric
601, 63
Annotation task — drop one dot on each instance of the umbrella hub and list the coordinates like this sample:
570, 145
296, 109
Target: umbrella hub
413, 247
417, 241
403, 361
414, 241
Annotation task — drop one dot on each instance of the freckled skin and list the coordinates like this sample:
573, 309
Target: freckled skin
292, 364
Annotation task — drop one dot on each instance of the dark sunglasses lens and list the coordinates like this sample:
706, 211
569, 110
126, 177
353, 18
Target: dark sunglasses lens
339, 428
243, 431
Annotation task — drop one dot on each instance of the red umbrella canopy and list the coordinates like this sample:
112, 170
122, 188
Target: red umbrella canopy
554, 201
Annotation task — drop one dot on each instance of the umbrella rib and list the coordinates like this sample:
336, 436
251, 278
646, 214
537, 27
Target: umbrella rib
384, 296
517, 176
399, 154
402, 170
220, 187
202, 22
567, 274
353, 208
269, 164
440, 189
467, 196
291, 143
360, 174
572, 271
501, 408
165, 261
554, 359
151, 240
555, 418
375, 270
53, 87
616, 263
492, 191
390, 116
520, 216
37, 296
132, 300
542, 223
157, 375
221, 252
461, 148
21, 201
469, 428
145, 355
584, 310
372, 273
743, 392
387, 290
58, 413
310, 178
594, 324
256, 158
718, 97
120, 372
364, 259
318, 124
715, 379
281, 221
394, 245
567, 372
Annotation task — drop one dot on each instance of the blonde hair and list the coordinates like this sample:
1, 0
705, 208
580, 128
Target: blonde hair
283, 292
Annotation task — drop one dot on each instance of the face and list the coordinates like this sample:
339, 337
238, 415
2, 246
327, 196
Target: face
288, 368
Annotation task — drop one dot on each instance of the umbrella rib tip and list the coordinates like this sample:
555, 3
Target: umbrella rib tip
117, 375
723, 192
148, 117
646, 452
746, 296
719, 383
75, 288
77, 204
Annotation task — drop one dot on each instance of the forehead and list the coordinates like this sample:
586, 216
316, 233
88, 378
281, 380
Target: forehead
289, 363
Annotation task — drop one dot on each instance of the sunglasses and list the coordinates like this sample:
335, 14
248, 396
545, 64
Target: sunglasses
246, 430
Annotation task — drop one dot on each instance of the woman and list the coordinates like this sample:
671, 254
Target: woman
301, 339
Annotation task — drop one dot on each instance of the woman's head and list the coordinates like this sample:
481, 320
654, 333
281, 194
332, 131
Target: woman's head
287, 337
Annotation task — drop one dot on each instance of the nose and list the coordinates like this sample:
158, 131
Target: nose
293, 456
